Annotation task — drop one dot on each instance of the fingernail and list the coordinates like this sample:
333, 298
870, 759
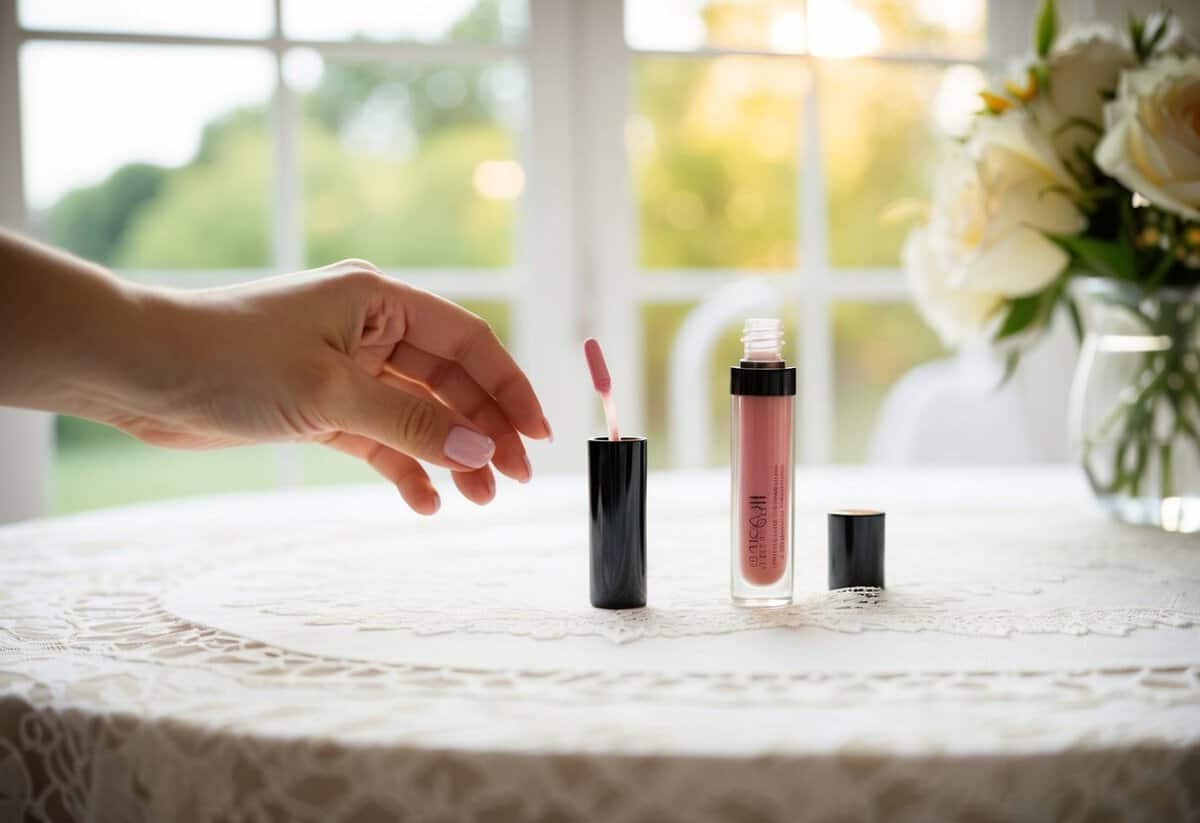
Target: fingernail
549, 431
491, 484
469, 448
437, 503
528, 469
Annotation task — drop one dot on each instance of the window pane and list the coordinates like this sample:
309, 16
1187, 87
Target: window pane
474, 21
946, 27
214, 18
410, 165
147, 156
713, 146
661, 323
840, 28
97, 466
883, 128
687, 25
874, 345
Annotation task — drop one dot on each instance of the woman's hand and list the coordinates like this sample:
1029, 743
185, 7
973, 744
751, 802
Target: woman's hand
346, 357
341, 355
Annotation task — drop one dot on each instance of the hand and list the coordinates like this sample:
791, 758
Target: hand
342, 356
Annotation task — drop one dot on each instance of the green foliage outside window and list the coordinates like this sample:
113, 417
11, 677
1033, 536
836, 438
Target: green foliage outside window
386, 155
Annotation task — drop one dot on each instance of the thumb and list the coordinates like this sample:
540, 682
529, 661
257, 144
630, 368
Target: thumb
418, 427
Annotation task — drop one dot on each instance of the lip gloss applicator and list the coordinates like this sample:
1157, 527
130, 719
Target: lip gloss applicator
603, 383
617, 503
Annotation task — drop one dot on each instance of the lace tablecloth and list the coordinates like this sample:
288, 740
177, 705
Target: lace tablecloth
326, 655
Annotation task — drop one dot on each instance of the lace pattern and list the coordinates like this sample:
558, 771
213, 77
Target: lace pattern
275, 657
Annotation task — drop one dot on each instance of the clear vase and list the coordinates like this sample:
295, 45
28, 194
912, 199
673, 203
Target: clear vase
1135, 402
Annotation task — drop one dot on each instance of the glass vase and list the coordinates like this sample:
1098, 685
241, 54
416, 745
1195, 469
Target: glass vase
1135, 402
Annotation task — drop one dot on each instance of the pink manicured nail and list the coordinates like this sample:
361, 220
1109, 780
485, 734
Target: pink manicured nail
549, 431
491, 485
470, 448
528, 469
437, 503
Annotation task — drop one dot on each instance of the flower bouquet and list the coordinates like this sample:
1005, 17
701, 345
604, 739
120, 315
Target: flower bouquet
1078, 186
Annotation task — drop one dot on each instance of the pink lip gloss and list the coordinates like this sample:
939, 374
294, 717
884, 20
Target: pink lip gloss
763, 389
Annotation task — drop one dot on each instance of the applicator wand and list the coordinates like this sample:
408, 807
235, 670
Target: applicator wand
603, 384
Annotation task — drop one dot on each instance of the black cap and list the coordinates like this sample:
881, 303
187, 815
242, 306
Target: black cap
617, 495
855, 549
762, 380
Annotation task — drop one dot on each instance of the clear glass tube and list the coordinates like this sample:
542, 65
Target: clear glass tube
762, 470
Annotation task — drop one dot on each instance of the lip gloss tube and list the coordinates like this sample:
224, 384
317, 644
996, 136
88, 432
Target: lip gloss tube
763, 389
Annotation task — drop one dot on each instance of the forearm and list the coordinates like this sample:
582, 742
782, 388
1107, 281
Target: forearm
73, 337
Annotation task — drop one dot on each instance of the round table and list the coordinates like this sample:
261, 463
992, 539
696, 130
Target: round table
323, 654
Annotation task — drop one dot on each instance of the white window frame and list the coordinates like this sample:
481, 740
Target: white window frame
815, 285
575, 266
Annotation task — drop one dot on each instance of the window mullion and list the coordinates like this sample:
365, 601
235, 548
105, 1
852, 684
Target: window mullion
548, 259
813, 290
606, 198
287, 227
288, 233
26, 437
12, 195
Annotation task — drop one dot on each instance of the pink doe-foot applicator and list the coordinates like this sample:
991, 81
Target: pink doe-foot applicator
617, 503
603, 384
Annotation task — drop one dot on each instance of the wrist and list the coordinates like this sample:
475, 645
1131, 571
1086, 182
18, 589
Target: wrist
76, 340
150, 367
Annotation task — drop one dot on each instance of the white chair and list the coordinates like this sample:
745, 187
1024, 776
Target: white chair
951, 411
955, 411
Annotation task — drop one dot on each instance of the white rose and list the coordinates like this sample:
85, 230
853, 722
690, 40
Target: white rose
1152, 145
1083, 68
954, 313
983, 243
991, 207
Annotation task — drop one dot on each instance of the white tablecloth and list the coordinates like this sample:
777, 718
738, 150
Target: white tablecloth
326, 655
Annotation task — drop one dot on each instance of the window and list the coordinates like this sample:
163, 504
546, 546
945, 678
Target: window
217, 151
647, 171
785, 142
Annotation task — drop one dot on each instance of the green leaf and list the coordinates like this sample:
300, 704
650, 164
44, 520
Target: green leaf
1137, 28
1160, 270
1076, 319
1022, 311
1155, 34
1104, 257
1030, 311
1012, 359
1047, 28
1041, 75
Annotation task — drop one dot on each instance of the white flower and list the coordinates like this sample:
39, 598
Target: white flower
1083, 69
983, 243
1152, 145
955, 314
991, 207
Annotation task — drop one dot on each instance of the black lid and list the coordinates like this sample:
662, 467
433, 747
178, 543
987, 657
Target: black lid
617, 497
773, 381
855, 549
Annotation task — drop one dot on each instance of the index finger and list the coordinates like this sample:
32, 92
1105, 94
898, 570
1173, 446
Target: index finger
447, 330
